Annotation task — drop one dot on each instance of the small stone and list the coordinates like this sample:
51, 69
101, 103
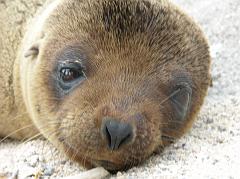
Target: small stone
232, 133
215, 161
221, 129
63, 162
183, 145
209, 121
41, 159
48, 171
93, 173
33, 161
220, 141
119, 174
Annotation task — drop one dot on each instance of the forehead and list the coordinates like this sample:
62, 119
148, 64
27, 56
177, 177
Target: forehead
121, 20
124, 29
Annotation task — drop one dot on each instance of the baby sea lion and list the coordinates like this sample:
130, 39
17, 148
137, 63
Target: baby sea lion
109, 82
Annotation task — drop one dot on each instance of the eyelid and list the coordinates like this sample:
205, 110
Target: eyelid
183, 85
73, 64
69, 62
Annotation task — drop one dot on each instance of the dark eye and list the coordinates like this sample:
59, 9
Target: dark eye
181, 100
70, 75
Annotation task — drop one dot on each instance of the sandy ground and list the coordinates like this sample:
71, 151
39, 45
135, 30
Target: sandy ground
210, 150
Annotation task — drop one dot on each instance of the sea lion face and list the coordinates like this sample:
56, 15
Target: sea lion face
115, 81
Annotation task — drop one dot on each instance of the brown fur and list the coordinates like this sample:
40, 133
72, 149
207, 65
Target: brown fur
136, 51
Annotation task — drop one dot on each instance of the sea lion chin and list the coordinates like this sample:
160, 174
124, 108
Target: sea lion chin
110, 82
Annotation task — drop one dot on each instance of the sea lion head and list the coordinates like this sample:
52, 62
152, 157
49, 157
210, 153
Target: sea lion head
112, 81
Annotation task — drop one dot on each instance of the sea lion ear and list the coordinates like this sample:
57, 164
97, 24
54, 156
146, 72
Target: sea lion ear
33, 50
181, 101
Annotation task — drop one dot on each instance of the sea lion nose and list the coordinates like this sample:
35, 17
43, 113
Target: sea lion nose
116, 133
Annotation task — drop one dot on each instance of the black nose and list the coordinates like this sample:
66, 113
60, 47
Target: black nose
116, 133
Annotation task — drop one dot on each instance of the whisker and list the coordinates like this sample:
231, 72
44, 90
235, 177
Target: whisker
168, 97
9, 135
16, 117
29, 139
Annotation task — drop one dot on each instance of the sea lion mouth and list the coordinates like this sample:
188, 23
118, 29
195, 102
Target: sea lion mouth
112, 167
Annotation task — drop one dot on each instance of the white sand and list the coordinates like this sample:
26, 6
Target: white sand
210, 150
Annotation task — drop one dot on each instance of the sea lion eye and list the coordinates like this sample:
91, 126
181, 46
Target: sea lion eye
181, 100
70, 74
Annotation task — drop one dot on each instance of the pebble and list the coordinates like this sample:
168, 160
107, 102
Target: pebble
221, 129
48, 171
209, 121
33, 161
63, 162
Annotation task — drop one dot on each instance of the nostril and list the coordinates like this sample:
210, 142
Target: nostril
125, 140
116, 133
108, 136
